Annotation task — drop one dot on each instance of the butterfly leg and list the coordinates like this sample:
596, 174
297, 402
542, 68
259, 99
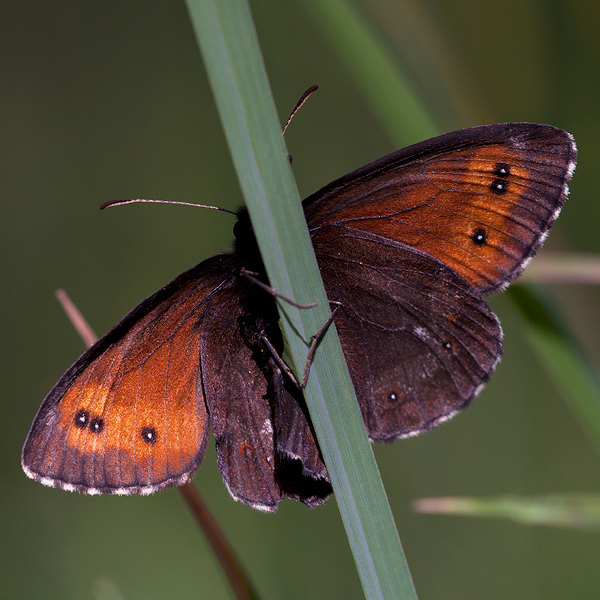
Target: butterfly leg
278, 360
315, 342
251, 276
311, 351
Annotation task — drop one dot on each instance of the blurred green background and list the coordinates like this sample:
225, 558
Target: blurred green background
109, 100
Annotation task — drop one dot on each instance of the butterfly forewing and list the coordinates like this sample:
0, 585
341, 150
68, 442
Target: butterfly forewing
480, 200
130, 416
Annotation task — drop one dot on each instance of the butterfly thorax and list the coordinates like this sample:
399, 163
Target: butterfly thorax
245, 246
261, 315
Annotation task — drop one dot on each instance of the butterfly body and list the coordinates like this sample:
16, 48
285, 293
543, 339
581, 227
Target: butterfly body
408, 246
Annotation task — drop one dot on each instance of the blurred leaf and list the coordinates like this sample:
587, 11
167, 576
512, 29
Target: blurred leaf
579, 511
563, 267
561, 357
376, 71
104, 588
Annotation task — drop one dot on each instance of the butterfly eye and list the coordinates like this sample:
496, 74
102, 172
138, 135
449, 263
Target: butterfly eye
149, 435
96, 425
82, 418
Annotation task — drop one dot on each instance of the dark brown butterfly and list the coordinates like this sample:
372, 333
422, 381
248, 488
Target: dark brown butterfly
408, 245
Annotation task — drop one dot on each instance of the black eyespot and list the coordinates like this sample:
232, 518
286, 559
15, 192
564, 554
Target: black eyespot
499, 186
82, 418
149, 435
392, 396
501, 170
96, 424
447, 345
479, 237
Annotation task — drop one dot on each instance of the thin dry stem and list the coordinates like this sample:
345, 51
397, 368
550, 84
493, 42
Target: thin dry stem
82, 327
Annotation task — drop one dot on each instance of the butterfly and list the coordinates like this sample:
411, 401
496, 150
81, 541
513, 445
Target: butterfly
407, 246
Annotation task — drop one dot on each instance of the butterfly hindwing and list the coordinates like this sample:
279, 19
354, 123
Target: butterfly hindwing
301, 471
418, 340
237, 392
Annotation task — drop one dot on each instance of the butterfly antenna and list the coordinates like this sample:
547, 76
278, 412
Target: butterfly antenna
146, 200
307, 94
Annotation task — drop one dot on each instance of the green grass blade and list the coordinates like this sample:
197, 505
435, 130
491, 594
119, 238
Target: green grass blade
232, 57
